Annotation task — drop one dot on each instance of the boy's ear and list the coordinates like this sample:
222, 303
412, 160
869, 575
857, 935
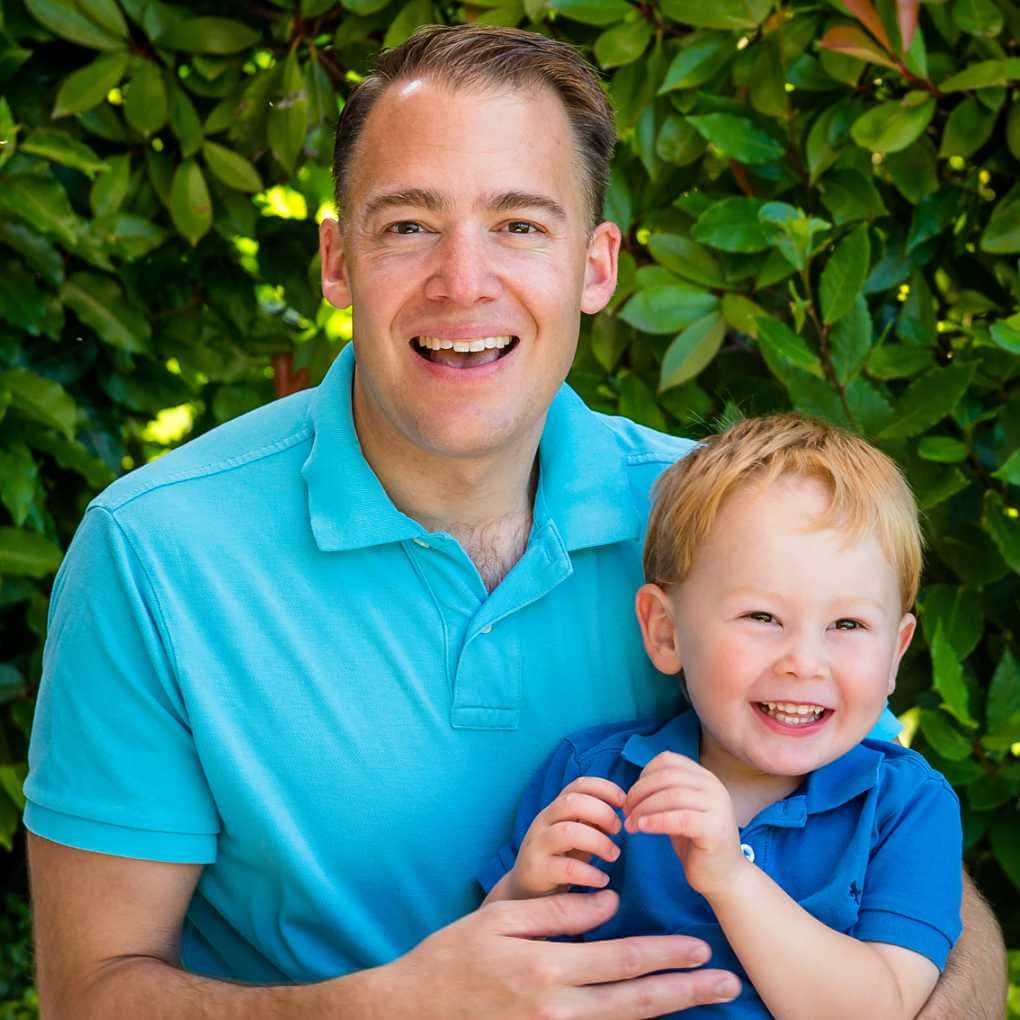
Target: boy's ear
654, 610
904, 635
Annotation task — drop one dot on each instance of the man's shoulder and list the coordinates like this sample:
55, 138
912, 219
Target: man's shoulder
640, 444
246, 440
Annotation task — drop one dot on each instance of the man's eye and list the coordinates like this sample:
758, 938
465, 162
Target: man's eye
405, 227
521, 227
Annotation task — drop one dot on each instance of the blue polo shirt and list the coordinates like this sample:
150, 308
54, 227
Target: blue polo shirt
257, 663
870, 844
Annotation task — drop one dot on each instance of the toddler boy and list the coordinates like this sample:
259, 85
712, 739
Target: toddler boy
782, 559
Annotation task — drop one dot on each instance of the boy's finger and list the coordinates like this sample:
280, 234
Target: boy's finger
583, 807
678, 822
672, 799
596, 786
570, 871
649, 786
563, 837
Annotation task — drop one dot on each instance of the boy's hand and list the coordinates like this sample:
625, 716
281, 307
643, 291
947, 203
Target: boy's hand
677, 797
562, 839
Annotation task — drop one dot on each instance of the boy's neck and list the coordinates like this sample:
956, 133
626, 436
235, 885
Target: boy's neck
750, 791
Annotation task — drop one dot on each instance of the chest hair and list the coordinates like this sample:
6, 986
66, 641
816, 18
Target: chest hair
496, 546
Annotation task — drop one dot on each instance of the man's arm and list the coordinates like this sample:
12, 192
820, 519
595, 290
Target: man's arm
974, 981
107, 933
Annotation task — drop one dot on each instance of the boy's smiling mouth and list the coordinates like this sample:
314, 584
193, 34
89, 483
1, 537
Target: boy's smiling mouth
794, 714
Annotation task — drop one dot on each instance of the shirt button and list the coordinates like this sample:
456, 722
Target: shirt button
487, 629
747, 851
422, 543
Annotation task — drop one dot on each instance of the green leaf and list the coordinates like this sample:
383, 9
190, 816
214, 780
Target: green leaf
12, 778
89, 86
898, 361
687, 258
738, 137
39, 253
1003, 713
99, 302
71, 454
928, 399
18, 481
742, 313
1002, 235
1006, 334
22, 303
850, 340
844, 275
28, 554
968, 128
82, 22
42, 203
8, 132
990, 791
982, 75
978, 17
692, 350
59, 147
208, 35
870, 411
184, 120
850, 196
781, 342
637, 402
111, 188
768, 80
1004, 837
145, 101
592, 12
728, 14
944, 736
702, 56
231, 167
190, 204
40, 399
913, 170
948, 678
733, 225
934, 214
942, 449
1010, 471
623, 43
892, 126
665, 309
288, 117
957, 611
1002, 523
678, 142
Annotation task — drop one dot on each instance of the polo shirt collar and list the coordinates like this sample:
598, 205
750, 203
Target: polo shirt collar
825, 789
583, 489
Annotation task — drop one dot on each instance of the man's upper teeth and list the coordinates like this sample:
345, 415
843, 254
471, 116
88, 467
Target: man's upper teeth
789, 708
437, 343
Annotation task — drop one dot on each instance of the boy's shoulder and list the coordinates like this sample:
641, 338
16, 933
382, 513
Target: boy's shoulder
596, 749
903, 771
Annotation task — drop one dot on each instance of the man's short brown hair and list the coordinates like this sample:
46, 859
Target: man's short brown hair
475, 56
867, 491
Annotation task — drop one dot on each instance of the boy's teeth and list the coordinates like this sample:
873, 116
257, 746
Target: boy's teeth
482, 343
791, 714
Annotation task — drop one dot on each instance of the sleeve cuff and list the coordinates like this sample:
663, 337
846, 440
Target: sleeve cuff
496, 869
907, 932
103, 838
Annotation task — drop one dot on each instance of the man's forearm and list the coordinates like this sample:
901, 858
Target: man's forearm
151, 989
974, 981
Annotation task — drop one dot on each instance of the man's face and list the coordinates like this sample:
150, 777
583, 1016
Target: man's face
466, 226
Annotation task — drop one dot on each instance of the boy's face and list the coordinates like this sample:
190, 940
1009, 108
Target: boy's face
789, 636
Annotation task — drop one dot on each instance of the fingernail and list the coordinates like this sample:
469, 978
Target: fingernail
727, 988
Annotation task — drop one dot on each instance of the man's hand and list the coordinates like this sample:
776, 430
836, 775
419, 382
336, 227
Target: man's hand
491, 964
677, 797
562, 839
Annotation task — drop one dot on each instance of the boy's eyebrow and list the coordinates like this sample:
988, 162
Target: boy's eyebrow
433, 201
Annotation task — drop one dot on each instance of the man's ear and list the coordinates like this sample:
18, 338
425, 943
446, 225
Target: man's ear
600, 267
336, 287
654, 610
904, 634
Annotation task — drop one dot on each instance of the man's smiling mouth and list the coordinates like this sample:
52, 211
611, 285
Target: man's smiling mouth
464, 353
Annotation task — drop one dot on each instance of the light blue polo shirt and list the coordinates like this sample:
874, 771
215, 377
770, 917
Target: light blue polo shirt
257, 663
870, 845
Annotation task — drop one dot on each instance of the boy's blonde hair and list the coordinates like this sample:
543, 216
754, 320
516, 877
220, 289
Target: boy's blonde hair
868, 491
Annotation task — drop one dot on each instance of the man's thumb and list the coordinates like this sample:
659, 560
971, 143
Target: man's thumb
562, 914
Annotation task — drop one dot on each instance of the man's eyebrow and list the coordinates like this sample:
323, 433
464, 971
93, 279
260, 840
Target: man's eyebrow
422, 198
509, 201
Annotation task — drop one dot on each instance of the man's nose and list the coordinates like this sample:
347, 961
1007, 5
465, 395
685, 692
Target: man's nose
802, 656
463, 271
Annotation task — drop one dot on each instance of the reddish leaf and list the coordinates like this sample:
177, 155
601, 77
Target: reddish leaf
864, 11
852, 42
906, 13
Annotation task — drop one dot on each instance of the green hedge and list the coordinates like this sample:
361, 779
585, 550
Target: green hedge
819, 210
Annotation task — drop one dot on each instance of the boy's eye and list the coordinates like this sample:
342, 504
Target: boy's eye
761, 617
846, 624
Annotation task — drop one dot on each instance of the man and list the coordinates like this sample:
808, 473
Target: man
299, 670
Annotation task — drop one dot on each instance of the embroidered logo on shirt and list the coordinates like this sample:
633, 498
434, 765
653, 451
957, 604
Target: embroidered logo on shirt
855, 893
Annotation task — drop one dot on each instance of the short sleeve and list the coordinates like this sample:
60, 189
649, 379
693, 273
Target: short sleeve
914, 885
112, 764
558, 770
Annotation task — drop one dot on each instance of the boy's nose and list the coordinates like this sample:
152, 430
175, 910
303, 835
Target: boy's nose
462, 272
802, 658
